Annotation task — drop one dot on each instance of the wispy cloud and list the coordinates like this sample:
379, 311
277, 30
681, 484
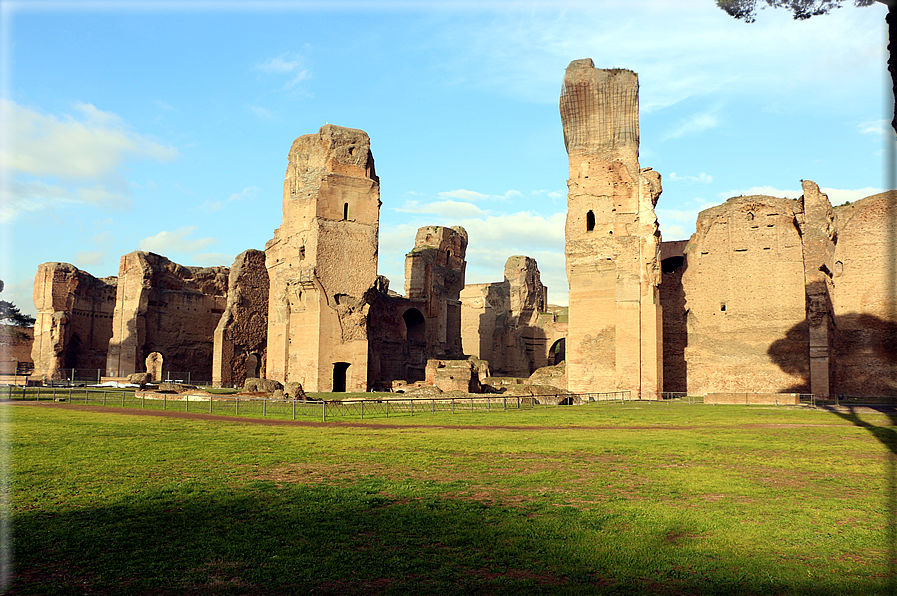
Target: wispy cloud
457, 209
876, 127
463, 194
288, 65
702, 178
176, 241
694, 124
55, 161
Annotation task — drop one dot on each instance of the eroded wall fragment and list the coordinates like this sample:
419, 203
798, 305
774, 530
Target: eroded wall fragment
165, 307
241, 337
74, 320
612, 237
508, 323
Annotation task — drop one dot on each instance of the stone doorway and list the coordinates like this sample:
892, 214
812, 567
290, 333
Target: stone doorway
340, 372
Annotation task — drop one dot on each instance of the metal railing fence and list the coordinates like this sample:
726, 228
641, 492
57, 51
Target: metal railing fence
294, 409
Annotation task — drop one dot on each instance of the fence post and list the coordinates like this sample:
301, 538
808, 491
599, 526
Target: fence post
38, 392
210, 404
294, 409
433, 406
142, 400
70, 393
237, 407
164, 401
412, 407
264, 407
453, 405
104, 397
387, 408
323, 411
362, 409
122, 399
186, 402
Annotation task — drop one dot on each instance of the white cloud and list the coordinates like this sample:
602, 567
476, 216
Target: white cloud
876, 127
250, 193
761, 190
694, 124
88, 258
261, 112
702, 178
21, 294
92, 147
55, 161
165, 243
836, 196
464, 195
291, 65
839, 195
213, 259
448, 209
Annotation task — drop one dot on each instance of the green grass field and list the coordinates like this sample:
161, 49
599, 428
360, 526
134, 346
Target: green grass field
598, 499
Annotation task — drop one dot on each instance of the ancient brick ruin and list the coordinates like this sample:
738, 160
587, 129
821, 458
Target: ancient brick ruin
614, 337
770, 296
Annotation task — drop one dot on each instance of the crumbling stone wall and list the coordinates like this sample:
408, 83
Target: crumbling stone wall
612, 237
241, 338
168, 308
74, 320
407, 331
744, 289
434, 274
508, 323
322, 263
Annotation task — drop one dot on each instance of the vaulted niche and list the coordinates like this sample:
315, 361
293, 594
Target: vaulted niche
590, 221
415, 325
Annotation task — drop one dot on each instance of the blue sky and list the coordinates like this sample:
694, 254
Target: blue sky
165, 126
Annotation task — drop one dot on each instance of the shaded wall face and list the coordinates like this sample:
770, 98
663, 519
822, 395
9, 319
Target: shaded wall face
745, 295
241, 335
675, 332
864, 300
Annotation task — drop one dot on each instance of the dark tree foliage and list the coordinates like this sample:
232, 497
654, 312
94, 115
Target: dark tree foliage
10, 315
746, 10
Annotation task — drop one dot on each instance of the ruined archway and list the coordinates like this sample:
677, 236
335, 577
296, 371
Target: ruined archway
340, 373
558, 352
415, 325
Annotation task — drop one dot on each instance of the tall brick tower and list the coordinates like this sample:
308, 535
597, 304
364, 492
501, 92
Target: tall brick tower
612, 237
322, 261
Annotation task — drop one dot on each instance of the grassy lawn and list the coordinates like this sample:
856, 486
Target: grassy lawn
615, 499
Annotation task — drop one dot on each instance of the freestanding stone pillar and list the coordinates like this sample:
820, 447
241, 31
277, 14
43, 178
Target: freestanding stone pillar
612, 237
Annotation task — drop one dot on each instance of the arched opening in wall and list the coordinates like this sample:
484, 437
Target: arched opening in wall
415, 325
558, 352
252, 366
590, 221
72, 351
670, 264
345, 211
340, 372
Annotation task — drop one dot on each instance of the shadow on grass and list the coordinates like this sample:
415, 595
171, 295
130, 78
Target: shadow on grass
350, 539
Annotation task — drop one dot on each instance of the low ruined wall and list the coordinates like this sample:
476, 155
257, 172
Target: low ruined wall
753, 399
